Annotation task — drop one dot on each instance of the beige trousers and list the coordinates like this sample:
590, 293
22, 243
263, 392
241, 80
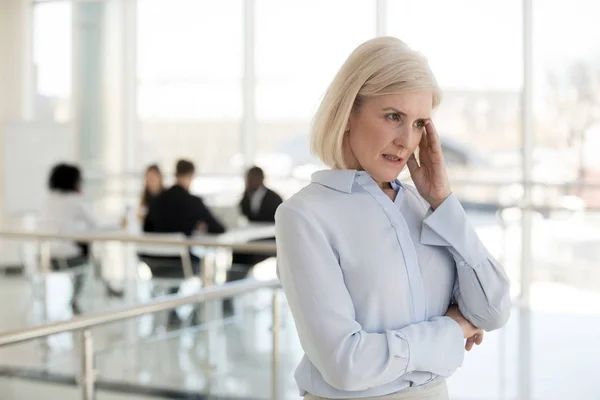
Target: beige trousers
435, 390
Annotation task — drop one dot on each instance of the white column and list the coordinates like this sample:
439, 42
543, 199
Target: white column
15, 96
381, 18
248, 131
102, 95
15, 44
129, 60
131, 142
525, 364
527, 149
75, 104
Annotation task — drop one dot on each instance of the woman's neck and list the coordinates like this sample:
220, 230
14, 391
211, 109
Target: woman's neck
384, 185
352, 163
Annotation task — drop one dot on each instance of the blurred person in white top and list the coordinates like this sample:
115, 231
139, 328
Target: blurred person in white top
67, 213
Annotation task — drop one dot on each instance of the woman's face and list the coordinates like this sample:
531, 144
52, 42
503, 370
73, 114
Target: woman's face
153, 181
385, 131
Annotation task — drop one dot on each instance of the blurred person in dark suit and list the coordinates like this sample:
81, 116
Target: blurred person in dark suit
177, 210
258, 204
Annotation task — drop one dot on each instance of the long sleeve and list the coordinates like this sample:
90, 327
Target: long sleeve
348, 357
245, 206
205, 215
272, 202
149, 219
86, 215
482, 287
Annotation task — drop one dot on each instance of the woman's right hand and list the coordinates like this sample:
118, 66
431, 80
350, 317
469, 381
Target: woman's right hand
469, 330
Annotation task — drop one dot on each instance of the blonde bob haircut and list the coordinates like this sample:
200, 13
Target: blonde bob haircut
380, 66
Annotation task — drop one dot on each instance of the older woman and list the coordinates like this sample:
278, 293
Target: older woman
385, 281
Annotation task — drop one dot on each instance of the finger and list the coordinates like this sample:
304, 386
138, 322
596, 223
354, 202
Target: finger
424, 150
469, 344
431, 131
413, 165
479, 338
424, 141
432, 137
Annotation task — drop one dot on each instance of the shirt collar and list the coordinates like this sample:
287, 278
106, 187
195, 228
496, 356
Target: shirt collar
261, 191
343, 179
396, 185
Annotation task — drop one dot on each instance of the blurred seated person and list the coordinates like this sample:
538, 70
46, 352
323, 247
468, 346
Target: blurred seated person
176, 210
258, 204
152, 188
66, 212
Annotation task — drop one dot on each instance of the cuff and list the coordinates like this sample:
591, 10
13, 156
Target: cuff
435, 346
448, 226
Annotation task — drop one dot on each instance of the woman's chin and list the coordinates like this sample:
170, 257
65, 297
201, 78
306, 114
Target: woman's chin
392, 171
387, 174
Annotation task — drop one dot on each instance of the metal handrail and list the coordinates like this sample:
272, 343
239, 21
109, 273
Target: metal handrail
547, 209
200, 241
116, 315
579, 184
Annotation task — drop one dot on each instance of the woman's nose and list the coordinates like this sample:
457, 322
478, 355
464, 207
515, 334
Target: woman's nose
407, 138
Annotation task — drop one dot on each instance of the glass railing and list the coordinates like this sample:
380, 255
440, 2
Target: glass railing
49, 299
116, 276
226, 357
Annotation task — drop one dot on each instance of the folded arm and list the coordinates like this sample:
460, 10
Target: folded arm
482, 287
348, 357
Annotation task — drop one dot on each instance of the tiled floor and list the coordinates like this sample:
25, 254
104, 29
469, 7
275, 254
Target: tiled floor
17, 389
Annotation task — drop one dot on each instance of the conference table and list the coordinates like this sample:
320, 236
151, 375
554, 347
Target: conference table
234, 235
204, 245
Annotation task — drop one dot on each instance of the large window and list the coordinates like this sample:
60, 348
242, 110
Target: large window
300, 45
190, 66
190, 63
52, 61
79, 77
475, 50
567, 140
567, 96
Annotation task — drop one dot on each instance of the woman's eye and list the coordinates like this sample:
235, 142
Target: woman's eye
420, 124
393, 117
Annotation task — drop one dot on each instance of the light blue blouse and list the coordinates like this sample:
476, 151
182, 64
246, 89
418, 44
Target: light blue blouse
369, 279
